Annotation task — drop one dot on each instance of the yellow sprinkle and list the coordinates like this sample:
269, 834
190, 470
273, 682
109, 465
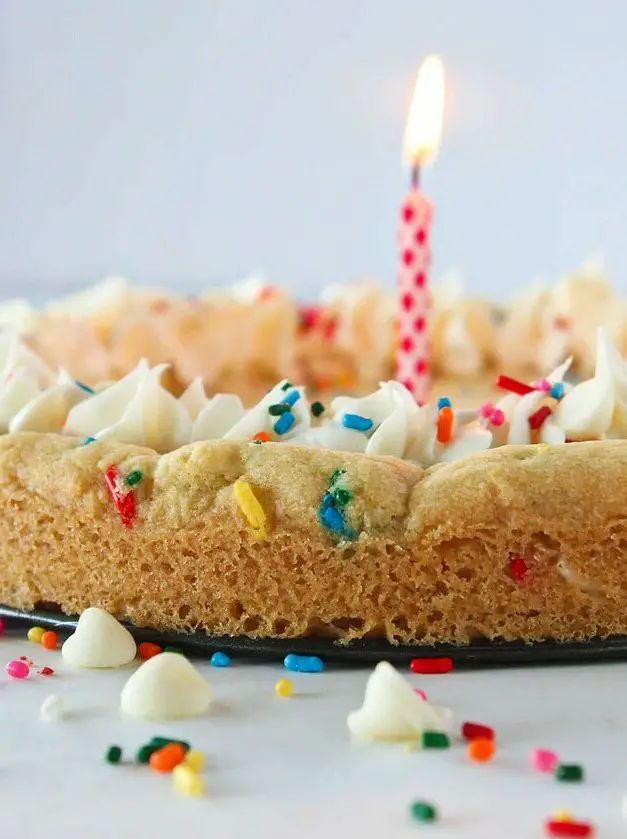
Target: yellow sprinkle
34, 634
195, 760
251, 508
283, 688
186, 781
562, 816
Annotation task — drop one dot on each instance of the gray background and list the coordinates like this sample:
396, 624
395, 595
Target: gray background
193, 141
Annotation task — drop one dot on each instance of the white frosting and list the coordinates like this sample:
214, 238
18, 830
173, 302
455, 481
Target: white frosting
392, 710
139, 410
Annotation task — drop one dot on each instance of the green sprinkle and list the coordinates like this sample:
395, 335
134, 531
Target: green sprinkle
143, 753
286, 386
335, 476
160, 742
317, 408
434, 740
569, 772
171, 649
423, 812
114, 754
278, 409
342, 497
133, 477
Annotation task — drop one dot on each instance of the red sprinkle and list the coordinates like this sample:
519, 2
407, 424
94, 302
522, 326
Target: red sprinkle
536, 419
124, 502
473, 730
518, 568
46, 671
431, 665
557, 828
148, 650
27, 660
513, 385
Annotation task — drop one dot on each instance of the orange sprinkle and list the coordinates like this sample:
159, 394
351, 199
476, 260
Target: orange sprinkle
165, 759
481, 749
147, 650
49, 640
262, 437
445, 424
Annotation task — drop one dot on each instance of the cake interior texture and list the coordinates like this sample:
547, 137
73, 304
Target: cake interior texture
516, 543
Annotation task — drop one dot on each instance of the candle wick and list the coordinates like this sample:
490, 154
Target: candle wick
415, 175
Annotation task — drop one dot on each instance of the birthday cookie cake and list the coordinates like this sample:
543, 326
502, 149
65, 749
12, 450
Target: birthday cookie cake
371, 517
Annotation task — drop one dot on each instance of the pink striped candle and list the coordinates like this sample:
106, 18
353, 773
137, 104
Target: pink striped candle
422, 140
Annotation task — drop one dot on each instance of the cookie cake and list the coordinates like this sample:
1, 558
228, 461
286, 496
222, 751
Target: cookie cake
368, 517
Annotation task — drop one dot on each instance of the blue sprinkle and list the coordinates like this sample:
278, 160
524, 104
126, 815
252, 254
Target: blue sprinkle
220, 660
303, 663
557, 390
84, 387
356, 422
332, 518
87, 441
444, 402
291, 398
284, 423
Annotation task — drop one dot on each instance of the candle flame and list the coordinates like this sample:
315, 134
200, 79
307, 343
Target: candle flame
423, 133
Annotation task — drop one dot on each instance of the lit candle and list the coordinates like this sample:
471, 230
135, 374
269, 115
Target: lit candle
422, 141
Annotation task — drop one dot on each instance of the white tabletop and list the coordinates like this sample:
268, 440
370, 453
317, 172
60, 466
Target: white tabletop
287, 768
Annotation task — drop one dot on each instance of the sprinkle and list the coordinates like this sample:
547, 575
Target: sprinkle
434, 740
147, 650
17, 669
160, 742
124, 503
557, 390
431, 665
113, 754
2, 627
497, 417
562, 816
83, 386
165, 759
26, 660
220, 659
195, 760
342, 497
317, 409
86, 441
283, 688
51, 708
170, 648
34, 634
45, 671
144, 753
336, 475
443, 402
446, 417
187, 782
49, 640
420, 693
542, 384
518, 568
291, 398
513, 385
278, 409
485, 410
303, 663
481, 750
284, 423
536, 419
474, 730
543, 760
133, 477
332, 519
286, 386
356, 422
569, 772
423, 812
555, 827
251, 508
261, 437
